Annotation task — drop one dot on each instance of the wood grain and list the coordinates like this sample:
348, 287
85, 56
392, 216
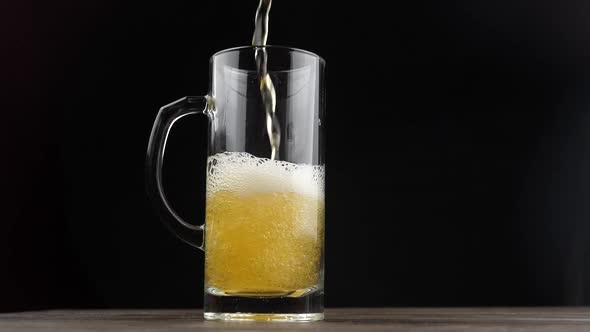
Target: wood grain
342, 320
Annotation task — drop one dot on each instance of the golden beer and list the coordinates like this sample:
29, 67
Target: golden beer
264, 237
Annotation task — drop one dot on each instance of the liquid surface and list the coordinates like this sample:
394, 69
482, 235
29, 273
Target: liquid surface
265, 226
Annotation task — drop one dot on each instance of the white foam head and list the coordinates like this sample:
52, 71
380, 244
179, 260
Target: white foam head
243, 173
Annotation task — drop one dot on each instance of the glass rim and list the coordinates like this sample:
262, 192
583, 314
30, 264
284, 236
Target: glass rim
287, 48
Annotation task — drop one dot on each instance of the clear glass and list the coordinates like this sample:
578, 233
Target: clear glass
264, 243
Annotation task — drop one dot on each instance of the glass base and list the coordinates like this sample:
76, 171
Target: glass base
251, 317
305, 308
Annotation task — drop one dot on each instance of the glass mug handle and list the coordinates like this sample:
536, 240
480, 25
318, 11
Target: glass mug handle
167, 116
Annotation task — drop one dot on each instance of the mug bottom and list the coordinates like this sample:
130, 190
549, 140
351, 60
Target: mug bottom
257, 317
305, 308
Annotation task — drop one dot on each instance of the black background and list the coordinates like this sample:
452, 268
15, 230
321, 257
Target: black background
458, 149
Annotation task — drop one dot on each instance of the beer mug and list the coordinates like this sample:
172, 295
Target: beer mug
263, 235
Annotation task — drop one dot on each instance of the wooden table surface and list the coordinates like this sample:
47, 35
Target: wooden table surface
342, 320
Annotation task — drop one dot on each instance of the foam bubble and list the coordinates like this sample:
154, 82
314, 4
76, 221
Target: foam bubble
244, 173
